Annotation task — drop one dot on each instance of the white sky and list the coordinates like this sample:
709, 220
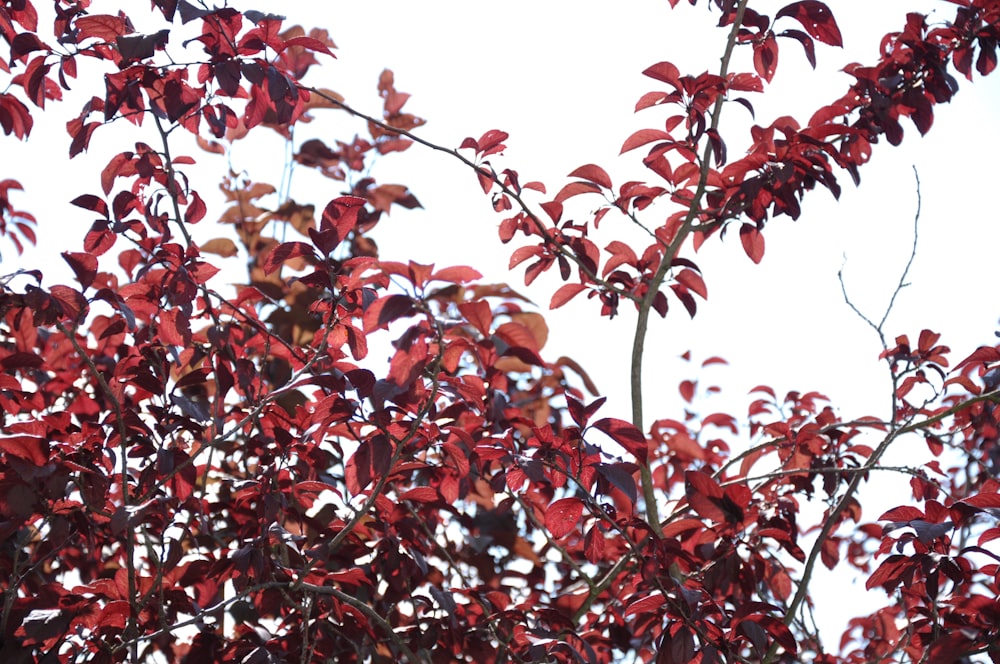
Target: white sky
562, 78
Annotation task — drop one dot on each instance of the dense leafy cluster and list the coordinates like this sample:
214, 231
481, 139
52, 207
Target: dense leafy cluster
193, 473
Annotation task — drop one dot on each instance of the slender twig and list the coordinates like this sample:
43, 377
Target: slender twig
880, 326
913, 254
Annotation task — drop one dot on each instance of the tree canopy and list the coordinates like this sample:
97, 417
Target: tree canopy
192, 471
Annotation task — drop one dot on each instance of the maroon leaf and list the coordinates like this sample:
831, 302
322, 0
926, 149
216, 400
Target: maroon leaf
816, 18
765, 57
387, 309
625, 434
84, 267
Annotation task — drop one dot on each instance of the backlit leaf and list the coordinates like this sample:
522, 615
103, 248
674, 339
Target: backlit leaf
562, 516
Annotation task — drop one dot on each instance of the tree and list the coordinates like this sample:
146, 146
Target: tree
189, 473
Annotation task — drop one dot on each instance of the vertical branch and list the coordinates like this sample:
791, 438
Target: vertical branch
642, 323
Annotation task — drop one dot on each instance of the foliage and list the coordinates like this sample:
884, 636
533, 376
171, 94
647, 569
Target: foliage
192, 474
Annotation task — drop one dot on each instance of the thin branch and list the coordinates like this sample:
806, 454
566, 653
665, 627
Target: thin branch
550, 241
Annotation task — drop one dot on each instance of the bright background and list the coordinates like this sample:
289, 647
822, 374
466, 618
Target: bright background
562, 78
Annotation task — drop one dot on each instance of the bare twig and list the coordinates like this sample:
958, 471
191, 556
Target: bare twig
880, 326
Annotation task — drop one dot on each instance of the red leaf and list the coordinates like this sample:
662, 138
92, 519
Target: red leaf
563, 515
339, 218
575, 189
421, 494
704, 495
625, 434
479, 315
693, 282
721, 420
456, 275
652, 603
593, 173
522, 254
888, 573
489, 143
196, 210
407, 363
642, 137
174, 328
310, 43
115, 614
32, 449
565, 293
982, 355
753, 242
72, 301
989, 535
765, 57
113, 170
983, 500
902, 513
746, 82
15, 118
682, 526
664, 71
284, 252
621, 254
594, 545
518, 336
105, 27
